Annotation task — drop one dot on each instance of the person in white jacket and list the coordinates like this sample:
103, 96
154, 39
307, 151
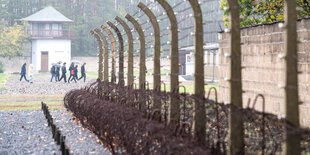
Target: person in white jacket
30, 72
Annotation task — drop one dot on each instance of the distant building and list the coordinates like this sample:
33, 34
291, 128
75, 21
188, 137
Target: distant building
211, 61
50, 41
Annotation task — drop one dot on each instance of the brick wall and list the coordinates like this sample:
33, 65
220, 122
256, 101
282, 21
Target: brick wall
263, 71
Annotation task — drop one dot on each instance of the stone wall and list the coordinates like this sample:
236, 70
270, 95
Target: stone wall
13, 64
263, 71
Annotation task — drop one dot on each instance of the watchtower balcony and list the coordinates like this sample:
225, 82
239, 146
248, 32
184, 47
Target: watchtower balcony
48, 31
50, 34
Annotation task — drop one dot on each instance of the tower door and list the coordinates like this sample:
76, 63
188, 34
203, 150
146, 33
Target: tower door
44, 61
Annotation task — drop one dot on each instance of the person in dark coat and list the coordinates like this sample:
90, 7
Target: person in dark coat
63, 71
23, 73
75, 74
71, 71
58, 70
83, 72
53, 72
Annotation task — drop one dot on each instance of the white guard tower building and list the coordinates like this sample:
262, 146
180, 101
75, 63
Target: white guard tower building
50, 41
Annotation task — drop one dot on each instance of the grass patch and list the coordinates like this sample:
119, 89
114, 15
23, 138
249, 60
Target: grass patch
135, 73
150, 72
3, 79
189, 88
29, 103
29, 106
60, 96
92, 74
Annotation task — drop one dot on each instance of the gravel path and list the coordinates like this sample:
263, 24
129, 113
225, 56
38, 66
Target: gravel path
41, 86
78, 139
25, 132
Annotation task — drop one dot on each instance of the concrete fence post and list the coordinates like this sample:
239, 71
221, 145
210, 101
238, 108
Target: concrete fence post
106, 54
292, 145
142, 68
100, 76
156, 57
174, 106
113, 43
199, 125
130, 79
121, 54
236, 128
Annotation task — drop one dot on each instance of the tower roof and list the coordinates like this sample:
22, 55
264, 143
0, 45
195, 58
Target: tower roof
48, 14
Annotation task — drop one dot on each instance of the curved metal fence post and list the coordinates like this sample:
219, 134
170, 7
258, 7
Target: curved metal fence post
121, 54
199, 107
130, 79
156, 57
292, 145
106, 56
236, 128
100, 76
113, 42
142, 50
174, 106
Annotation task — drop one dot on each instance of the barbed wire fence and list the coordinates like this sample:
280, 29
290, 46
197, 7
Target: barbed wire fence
222, 128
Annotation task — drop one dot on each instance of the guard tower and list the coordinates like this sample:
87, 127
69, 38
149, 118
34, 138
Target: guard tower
50, 40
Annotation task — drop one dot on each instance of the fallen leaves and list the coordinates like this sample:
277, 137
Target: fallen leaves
75, 120
99, 141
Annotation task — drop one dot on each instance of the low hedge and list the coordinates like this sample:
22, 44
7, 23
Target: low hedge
126, 130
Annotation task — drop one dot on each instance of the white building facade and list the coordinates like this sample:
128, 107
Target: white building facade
211, 61
50, 42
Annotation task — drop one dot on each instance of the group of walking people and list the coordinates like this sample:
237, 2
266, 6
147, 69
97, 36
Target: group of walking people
55, 71
73, 70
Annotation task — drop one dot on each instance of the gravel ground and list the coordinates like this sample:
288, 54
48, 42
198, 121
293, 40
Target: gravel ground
41, 86
25, 132
78, 139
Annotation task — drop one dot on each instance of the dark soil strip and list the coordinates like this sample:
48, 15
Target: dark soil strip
55, 131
